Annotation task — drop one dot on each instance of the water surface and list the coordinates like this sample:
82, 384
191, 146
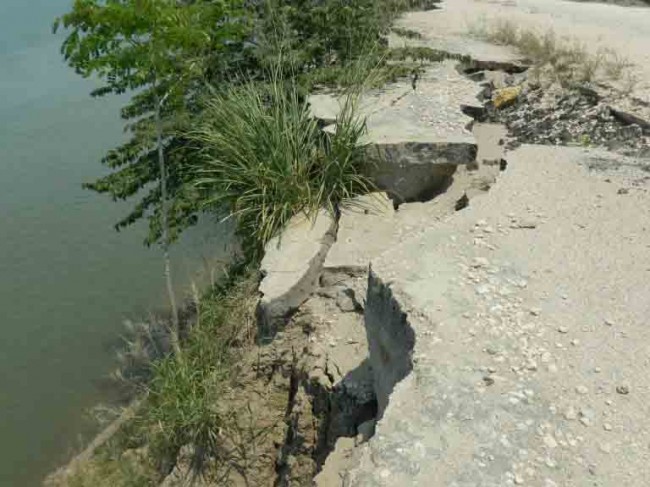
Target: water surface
67, 279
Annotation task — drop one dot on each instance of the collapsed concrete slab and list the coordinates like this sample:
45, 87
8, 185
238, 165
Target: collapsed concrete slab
372, 226
364, 229
415, 137
291, 267
507, 342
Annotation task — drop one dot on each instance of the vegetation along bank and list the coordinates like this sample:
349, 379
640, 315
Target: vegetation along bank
218, 122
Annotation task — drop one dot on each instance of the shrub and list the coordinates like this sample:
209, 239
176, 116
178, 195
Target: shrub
266, 159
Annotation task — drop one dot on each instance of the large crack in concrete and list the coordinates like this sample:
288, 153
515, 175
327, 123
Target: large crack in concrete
338, 402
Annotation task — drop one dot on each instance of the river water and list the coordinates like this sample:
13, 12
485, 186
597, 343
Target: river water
67, 279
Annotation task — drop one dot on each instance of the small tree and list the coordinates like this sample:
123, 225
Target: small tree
160, 50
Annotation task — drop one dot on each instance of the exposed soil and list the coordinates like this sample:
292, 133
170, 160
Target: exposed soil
298, 394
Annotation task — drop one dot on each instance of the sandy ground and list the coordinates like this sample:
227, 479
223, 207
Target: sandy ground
598, 26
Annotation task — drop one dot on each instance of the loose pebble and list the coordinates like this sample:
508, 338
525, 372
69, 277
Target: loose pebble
570, 414
550, 442
623, 390
582, 389
479, 262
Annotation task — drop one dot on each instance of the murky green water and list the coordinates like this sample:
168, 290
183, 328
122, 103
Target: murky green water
67, 279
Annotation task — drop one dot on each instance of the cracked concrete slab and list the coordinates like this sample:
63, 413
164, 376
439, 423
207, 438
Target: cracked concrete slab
372, 226
291, 266
509, 343
415, 138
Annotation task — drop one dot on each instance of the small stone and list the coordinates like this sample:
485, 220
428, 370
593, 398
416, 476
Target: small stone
345, 302
570, 414
582, 389
607, 427
535, 311
488, 229
480, 262
519, 480
482, 289
585, 421
550, 442
597, 370
609, 322
488, 380
623, 389
575, 342
563, 329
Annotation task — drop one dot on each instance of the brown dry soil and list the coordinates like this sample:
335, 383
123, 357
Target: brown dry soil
297, 395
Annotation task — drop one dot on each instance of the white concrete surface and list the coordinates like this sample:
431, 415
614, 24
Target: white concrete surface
515, 334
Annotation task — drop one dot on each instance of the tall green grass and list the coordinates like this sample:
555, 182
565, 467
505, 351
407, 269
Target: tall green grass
264, 158
182, 406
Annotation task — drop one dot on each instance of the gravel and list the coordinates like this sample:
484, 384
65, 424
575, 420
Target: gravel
575, 116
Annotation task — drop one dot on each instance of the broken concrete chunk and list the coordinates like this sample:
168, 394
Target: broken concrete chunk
292, 265
363, 231
346, 301
416, 171
627, 116
505, 97
414, 138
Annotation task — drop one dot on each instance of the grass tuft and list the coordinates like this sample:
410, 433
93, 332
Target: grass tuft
266, 159
566, 60
183, 395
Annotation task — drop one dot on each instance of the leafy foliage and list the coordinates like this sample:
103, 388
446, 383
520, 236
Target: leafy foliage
148, 48
153, 48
